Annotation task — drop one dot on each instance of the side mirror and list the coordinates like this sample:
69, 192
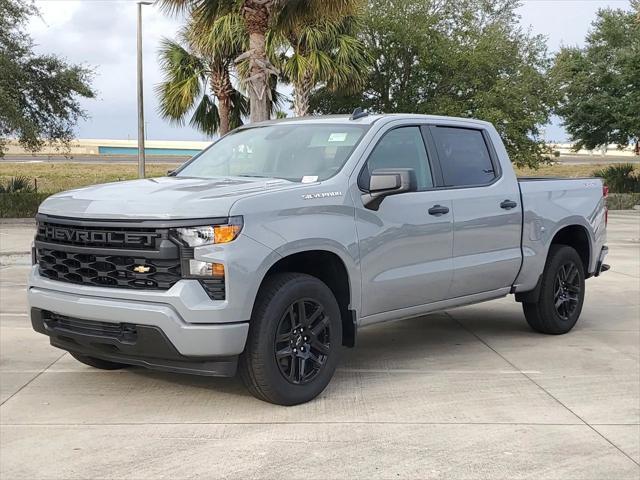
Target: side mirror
387, 181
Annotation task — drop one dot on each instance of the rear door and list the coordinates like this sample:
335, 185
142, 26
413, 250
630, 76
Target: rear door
486, 207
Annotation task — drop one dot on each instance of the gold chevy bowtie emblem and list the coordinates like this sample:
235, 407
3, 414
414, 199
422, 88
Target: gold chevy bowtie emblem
141, 268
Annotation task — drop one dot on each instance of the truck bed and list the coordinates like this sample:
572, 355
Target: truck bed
550, 204
537, 179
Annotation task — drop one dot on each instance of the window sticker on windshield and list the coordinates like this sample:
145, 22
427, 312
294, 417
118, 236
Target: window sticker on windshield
309, 179
337, 137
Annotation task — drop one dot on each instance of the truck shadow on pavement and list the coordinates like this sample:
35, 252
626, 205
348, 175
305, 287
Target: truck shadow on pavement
442, 341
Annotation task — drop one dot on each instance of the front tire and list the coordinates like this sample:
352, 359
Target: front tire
294, 341
97, 362
561, 293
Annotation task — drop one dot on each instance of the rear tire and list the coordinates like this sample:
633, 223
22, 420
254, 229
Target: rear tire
561, 293
97, 362
294, 340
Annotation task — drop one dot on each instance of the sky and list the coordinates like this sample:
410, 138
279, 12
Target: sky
101, 34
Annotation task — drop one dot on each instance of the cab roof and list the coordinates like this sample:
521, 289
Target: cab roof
364, 120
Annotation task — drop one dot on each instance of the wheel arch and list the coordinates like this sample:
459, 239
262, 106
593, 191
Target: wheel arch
574, 235
577, 237
330, 268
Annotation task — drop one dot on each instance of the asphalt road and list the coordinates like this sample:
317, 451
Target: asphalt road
571, 159
470, 393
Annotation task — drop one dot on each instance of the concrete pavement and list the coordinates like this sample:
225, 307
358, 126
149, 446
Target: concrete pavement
468, 393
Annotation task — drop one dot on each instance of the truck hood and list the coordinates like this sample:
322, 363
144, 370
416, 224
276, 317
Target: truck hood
159, 198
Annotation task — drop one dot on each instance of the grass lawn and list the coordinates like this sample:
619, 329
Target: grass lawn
561, 170
55, 177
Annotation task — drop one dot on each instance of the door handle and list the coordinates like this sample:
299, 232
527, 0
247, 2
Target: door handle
508, 204
438, 210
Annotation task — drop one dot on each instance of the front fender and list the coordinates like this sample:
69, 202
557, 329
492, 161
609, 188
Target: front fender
290, 222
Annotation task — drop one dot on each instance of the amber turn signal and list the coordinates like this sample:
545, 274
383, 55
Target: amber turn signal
225, 233
217, 270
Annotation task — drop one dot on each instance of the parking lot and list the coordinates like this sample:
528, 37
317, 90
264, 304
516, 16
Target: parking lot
467, 393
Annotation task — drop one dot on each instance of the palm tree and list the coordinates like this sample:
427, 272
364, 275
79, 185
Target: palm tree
323, 52
259, 16
198, 65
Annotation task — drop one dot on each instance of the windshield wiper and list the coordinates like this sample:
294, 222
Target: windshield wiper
254, 175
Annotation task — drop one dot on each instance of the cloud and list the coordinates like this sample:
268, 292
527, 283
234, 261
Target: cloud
102, 34
564, 22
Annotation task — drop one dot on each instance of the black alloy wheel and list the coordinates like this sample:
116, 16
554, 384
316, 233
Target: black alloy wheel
294, 341
567, 290
561, 293
303, 341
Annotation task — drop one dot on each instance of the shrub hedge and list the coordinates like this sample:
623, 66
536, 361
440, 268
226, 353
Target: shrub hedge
25, 204
621, 178
20, 204
623, 201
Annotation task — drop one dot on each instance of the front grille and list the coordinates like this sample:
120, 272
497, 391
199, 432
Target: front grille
63, 324
109, 270
98, 236
143, 255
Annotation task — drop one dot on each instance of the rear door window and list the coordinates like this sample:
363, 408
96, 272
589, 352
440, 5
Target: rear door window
464, 156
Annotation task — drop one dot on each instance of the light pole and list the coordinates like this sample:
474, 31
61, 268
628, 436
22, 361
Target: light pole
140, 94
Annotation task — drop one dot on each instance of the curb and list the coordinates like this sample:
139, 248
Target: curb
18, 221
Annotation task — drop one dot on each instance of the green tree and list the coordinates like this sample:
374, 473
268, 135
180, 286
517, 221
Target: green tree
197, 72
467, 58
259, 17
326, 53
600, 83
38, 93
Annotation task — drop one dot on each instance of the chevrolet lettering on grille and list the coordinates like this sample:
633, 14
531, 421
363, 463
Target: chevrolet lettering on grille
93, 237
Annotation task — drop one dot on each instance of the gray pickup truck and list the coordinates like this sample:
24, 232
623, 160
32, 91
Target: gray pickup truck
267, 252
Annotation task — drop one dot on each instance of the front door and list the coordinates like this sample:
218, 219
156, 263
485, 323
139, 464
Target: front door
405, 251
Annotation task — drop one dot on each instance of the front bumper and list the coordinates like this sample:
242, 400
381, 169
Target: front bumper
128, 343
166, 312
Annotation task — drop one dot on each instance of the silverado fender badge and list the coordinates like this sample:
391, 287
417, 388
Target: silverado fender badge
312, 196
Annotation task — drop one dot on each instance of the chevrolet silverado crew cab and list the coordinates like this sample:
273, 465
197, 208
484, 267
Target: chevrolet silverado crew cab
267, 252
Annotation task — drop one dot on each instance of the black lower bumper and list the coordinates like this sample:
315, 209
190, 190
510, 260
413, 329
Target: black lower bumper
128, 343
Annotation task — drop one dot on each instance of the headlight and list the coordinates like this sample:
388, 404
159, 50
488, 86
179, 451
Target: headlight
210, 234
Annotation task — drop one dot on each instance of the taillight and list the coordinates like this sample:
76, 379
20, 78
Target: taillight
605, 194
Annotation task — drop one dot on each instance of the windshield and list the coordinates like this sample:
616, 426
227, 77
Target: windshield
297, 152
